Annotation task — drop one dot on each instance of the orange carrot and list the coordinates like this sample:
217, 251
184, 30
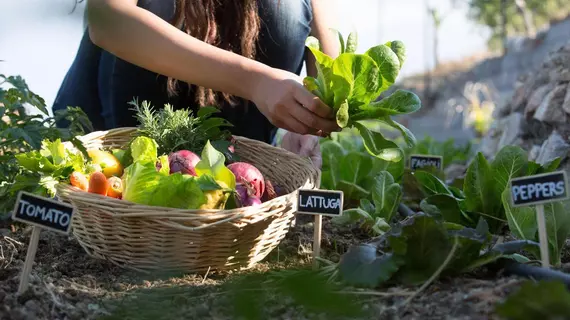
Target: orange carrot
115, 188
79, 180
98, 183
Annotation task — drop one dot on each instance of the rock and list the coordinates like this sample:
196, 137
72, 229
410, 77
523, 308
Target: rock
455, 171
536, 99
512, 130
560, 74
555, 146
566, 103
534, 152
550, 110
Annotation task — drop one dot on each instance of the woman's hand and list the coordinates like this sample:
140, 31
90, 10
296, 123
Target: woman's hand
282, 98
304, 146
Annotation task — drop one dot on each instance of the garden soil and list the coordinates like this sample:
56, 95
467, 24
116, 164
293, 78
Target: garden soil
68, 284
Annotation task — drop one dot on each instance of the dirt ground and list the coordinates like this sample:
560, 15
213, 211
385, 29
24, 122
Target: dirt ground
67, 284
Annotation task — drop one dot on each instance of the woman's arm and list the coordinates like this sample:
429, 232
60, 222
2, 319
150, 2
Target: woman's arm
144, 39
324, 18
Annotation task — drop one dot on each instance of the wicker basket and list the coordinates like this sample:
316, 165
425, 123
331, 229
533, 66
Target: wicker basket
146, 237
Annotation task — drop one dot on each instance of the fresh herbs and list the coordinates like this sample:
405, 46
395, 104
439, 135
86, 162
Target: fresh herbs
179, 129
351, 85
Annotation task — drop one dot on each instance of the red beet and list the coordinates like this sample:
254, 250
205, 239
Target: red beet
246, 195
246, 172
183, 161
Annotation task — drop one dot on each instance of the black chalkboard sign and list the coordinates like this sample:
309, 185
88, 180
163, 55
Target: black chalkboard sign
43, 212
418, 161
320, 202
538, 189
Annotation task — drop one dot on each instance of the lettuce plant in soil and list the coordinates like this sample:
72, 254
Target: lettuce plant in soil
485, 195
351, 85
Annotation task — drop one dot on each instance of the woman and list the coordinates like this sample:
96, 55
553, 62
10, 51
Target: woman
191, 53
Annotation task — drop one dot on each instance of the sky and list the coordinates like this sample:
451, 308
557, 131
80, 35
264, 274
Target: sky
39, 38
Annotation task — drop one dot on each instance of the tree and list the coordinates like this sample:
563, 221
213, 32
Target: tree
518, 17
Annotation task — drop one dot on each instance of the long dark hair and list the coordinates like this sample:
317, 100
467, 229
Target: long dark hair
232, 25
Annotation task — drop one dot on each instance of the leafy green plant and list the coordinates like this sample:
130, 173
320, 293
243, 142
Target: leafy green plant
537, 300
415, 249
22, 132
351, 85
483, 188
375, 216
349, 168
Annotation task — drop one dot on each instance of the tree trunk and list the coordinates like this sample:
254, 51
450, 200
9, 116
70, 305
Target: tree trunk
504, 26
527, 16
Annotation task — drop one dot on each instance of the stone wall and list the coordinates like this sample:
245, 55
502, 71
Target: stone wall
537, 117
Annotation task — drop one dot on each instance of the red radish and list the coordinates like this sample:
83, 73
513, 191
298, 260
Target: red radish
245, 196
183, 161
246, 172
271, 191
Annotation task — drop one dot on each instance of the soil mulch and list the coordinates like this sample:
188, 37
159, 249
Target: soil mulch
68, 284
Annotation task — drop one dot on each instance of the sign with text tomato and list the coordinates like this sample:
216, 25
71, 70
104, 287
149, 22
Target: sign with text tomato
539, 189
320, 202
43, 212
419, 161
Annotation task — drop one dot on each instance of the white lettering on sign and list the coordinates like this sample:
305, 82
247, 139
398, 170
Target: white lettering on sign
538, 190
51, 215
320, 202
417, 163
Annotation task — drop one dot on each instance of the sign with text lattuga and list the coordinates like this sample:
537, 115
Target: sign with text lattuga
538, 190
419, 161
319, 203
41, 213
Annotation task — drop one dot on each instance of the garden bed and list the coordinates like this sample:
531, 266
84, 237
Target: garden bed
67, 284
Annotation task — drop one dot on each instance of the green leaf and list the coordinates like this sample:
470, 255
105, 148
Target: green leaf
164, 165
144, 149
521, 220
399, 102
406, 133
430, 184
342, 116
361, 75
314, 87
550, 166
213, 163
140, 179
446, 207
423, 244
177, 191
386, 195
378, 146
332, 153
399, 49
509, 163
362, 266
354, 167
352, 42
207, 111
340, 40
557, 228
537, 300
388, 64
353, 215
324, 71
55, 150
207, 183
352, 190
481, 193
471, 242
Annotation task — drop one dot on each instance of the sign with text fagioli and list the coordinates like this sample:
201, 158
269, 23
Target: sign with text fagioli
320, 202
419, 161
538, 189
43, 212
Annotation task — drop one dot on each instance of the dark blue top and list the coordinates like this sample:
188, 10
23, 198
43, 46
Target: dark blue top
102, 84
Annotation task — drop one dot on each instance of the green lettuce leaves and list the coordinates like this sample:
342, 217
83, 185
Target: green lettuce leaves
351, 85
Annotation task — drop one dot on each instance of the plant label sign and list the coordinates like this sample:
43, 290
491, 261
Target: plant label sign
539, 189
320, 202
43, 212
419, 161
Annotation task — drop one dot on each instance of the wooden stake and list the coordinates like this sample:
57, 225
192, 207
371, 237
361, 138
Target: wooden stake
30, 256
542, 235
317, 230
